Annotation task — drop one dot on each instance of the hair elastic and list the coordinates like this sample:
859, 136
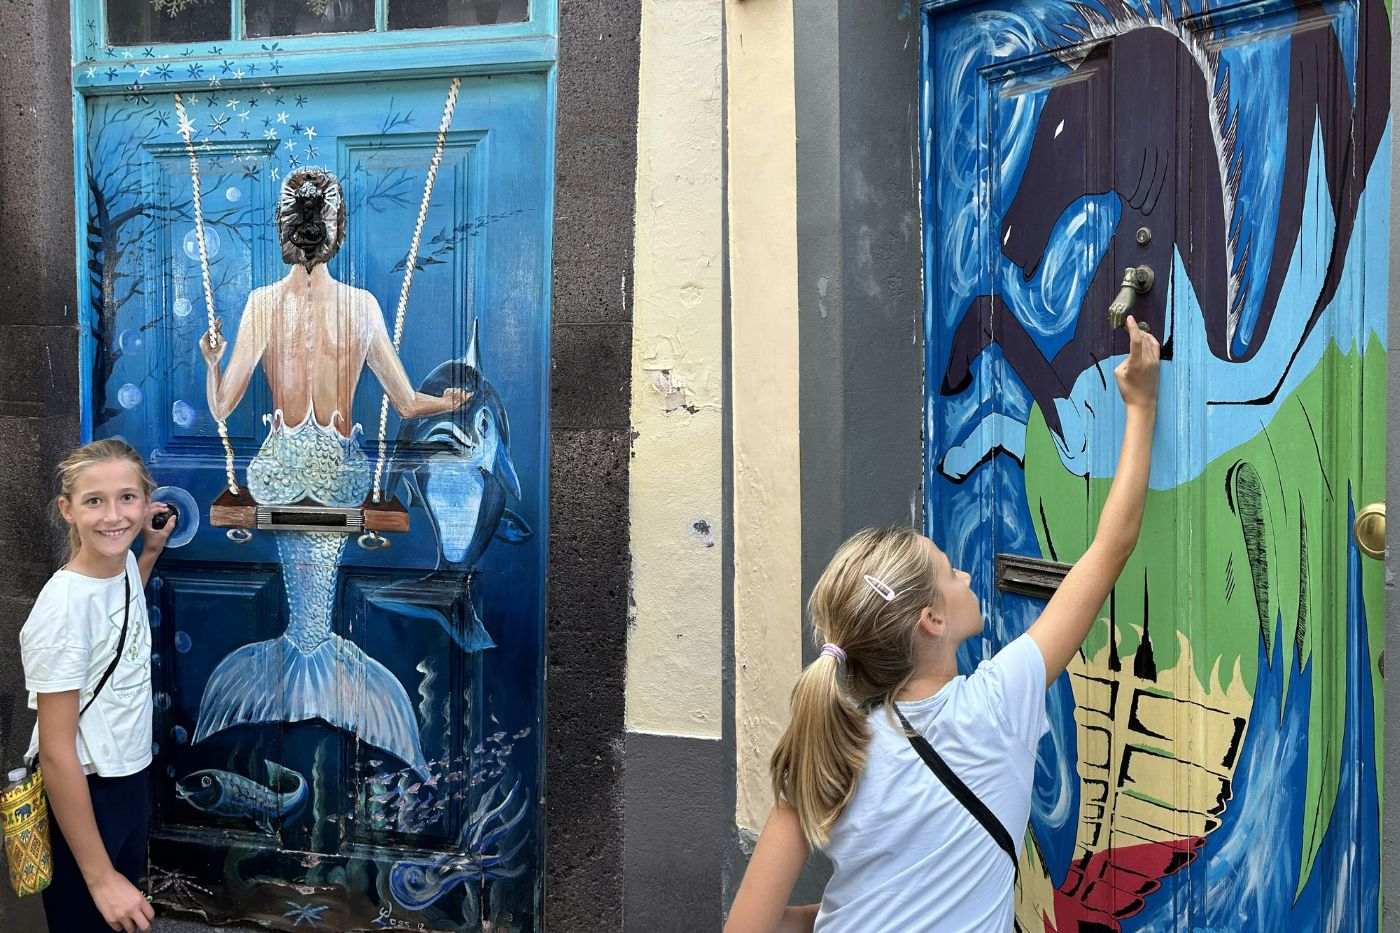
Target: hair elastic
881, 588
836, 651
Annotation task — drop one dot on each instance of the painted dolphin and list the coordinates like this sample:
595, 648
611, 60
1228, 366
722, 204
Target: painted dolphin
224, 793
466, 474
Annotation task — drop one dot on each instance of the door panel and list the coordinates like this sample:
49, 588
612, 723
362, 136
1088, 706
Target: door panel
1214, 752
347, 737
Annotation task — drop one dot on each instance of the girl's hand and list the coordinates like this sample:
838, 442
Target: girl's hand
121, 904
1137, 375
156, 537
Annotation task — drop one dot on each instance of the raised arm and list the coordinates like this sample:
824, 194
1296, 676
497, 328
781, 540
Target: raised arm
1061, 628
224, 390
384, 362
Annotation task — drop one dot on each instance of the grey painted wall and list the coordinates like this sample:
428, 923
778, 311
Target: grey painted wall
860, 295
674, 799
595, 168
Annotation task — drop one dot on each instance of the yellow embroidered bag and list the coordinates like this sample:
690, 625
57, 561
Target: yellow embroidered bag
25, 813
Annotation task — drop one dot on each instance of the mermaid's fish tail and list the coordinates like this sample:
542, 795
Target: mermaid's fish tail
274, 681
310, 672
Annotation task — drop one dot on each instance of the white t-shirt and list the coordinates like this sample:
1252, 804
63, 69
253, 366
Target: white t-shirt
68, 643
909, 857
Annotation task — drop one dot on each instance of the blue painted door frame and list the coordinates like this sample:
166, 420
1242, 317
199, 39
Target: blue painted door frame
282, 796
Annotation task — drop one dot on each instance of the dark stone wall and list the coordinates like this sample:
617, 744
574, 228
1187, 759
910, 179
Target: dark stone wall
595, 173
38, 342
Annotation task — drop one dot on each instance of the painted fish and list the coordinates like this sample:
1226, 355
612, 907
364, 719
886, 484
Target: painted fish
224, 793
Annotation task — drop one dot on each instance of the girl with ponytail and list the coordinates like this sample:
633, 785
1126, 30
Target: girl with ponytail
915, 780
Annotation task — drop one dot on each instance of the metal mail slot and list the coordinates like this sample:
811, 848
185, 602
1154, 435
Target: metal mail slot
310, 518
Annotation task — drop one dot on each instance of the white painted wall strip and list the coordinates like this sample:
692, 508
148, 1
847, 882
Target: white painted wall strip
674, 659
763, 292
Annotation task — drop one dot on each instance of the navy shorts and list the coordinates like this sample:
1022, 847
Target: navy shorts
123, 810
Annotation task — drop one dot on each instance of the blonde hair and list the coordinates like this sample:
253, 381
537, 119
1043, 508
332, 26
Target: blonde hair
73, 465
821, 754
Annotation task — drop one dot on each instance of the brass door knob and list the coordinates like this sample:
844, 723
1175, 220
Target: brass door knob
1370, 530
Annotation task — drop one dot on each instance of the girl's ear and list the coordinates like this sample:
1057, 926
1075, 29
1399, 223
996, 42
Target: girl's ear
930, 624
65, 508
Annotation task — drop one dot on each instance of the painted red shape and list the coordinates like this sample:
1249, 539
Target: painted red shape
1104, 888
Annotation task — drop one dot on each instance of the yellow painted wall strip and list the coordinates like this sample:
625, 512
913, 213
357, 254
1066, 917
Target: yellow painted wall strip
674, 649
762, 180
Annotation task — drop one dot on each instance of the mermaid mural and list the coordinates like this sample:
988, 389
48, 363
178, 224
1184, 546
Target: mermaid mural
313, 336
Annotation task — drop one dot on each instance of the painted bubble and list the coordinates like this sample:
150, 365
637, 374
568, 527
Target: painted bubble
182, 413
162, 701
232, 194
182, 307
211, 243
130, 341
170, 771
180, 735
155, 659
129, 396
153, 614
155, 749
183, 643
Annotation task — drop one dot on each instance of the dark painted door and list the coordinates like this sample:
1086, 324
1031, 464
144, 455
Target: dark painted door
348, 726
1214, 754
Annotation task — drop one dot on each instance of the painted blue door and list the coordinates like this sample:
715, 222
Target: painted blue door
348, 725
1214, 753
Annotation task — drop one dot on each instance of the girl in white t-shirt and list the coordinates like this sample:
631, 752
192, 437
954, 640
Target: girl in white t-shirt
95, 762
890, 612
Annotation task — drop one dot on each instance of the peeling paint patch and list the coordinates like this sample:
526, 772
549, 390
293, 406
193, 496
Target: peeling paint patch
675, 396
703, 532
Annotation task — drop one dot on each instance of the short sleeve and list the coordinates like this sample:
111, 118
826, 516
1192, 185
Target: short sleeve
1014, 679
54, 652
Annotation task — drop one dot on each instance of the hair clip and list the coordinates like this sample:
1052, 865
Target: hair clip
881, 588
836, 651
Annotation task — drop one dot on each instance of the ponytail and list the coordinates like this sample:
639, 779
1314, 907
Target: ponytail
865, 608
822, 752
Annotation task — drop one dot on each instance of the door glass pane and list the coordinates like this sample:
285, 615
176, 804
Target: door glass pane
417, 14
144, 22
307, 17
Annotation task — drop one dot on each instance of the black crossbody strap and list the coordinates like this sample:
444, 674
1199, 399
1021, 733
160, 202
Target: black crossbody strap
121, 641
965, 796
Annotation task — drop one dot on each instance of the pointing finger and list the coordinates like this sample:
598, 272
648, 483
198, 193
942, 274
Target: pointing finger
1135, 337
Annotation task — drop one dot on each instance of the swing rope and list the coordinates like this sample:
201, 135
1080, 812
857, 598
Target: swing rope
448, 108
186, 132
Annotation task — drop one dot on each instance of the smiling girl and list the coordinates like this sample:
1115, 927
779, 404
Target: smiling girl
86, 649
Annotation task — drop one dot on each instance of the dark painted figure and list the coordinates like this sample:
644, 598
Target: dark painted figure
1167, 177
